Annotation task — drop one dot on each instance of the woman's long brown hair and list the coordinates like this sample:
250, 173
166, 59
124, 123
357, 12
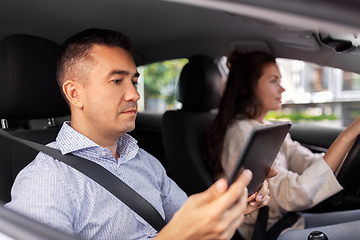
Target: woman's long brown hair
239, 101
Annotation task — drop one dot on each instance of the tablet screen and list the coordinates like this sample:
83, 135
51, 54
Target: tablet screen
259, 153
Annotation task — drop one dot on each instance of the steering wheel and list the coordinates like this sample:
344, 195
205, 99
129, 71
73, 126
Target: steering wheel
349, 175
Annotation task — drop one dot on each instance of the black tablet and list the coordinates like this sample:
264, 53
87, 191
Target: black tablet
259, 153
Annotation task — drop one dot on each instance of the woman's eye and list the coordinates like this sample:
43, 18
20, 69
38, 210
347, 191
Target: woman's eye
116, 81
135, 83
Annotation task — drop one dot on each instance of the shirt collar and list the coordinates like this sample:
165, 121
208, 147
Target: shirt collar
127, 148
70, 140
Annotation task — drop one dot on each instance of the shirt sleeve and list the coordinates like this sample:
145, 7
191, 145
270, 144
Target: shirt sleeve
304, 178
42, 196
172, 196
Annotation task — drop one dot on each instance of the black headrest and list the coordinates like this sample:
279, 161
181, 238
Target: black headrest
199, 84
28, 88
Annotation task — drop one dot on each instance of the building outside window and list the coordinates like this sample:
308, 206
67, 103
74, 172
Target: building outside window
318, 95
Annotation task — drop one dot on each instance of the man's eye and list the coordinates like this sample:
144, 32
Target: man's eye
135, 83
116, 81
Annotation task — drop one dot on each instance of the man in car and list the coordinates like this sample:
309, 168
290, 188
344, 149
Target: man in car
97, 77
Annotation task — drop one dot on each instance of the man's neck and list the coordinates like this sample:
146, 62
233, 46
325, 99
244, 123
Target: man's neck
103, 139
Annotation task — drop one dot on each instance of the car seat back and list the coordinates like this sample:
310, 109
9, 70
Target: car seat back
28, 90
184, 130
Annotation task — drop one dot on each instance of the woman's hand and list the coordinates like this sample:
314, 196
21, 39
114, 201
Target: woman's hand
260, 198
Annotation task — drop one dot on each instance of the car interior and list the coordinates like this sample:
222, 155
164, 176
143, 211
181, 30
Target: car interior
31, 106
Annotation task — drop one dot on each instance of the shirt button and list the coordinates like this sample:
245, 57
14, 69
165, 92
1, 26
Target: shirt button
103, 153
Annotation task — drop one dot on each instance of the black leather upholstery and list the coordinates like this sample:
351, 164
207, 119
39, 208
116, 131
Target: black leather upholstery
184, 130
15, 156
28, 90
199, 84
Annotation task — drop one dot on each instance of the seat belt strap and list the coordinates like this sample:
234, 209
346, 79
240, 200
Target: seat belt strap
103, 177
285, 222
273, 233
261, 223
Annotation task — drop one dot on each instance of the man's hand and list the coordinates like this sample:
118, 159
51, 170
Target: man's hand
213, 214
260, 198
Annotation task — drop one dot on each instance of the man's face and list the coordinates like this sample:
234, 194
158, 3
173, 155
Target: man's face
109, 96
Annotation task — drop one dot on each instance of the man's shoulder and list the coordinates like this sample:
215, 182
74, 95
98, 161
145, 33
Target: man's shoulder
150, 162
45, 163
145, 156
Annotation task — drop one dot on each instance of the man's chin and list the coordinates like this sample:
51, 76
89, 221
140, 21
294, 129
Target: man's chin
131, 129
128, 127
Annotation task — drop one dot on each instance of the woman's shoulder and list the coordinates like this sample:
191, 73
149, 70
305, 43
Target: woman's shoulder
243, 125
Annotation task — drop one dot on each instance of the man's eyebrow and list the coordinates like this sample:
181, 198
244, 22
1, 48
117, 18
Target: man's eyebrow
122, 72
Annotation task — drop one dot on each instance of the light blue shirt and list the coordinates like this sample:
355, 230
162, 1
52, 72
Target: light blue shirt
57, 195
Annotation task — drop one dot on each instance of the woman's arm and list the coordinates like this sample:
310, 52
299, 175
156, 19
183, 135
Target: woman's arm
339, 148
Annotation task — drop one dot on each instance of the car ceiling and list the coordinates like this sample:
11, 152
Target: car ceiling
161, 30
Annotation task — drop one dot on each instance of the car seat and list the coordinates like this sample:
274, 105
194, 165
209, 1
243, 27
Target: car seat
28, 90
184, 130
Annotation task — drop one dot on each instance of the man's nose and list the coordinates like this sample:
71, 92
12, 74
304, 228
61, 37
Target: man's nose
132, 94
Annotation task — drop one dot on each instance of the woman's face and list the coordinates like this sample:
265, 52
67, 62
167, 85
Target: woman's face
269, 89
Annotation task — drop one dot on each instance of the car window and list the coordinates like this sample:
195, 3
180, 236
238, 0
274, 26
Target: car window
157, 85
318, 94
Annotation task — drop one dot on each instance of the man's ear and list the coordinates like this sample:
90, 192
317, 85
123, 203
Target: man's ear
71, 90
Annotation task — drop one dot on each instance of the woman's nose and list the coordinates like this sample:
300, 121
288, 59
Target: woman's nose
282, 89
